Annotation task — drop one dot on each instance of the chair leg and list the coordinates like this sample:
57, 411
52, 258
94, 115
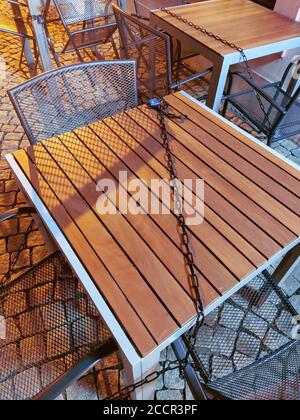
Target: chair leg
22, 52
116, 51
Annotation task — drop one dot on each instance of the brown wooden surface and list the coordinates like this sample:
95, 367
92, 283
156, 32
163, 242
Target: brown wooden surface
252, 211
257, 26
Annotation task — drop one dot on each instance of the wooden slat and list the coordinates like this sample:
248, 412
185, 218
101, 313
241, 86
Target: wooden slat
102, 278
214, 241
156, 235
271, 170
257, 26
114, 241
261, 151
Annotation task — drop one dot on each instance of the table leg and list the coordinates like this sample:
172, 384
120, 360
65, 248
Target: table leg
40, 33
287, 265
136, 373
217, 84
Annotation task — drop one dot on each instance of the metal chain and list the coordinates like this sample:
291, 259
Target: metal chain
229, 44
162, 107
14, 261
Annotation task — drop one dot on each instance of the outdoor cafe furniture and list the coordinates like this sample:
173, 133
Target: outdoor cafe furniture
261, 32
280, 99
132, 265
160, 66
88, 24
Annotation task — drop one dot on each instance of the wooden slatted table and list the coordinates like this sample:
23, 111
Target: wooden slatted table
132, 265
259, 31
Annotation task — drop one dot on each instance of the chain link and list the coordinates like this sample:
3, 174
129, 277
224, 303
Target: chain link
229, 44
162, 108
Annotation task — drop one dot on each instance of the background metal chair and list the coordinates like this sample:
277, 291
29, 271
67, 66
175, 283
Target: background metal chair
282, 105
88, 24
51, 333
17, 26
70, 97
153, 52
247, 349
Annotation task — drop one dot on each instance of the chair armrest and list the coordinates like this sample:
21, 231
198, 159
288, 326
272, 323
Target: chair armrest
256, 88
10, 214
77, 371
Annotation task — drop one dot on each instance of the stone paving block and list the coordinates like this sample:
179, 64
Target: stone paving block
285, 323
85, 332
53, 315
295, 301
221, 367
34, 238
231, 317
76, 309
9, 361
39, 253
290, 285
31, 323
65, 289
7, 391
168, 395
15, 304
41, 295
275, 340
12, 332
223, 341
14, 242
24, 223
255, 325
33, 349
23, 260
2, 246
172, 380
248, 345
7, 199
51, 371
58, 342
11, 186
241, 361
4, 263
27, 384
8, 227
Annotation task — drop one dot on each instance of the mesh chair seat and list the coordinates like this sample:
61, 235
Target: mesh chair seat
82, 10
71, 97
246, 348
47, 324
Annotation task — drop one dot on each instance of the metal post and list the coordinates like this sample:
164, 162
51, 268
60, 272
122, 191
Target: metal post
40, 34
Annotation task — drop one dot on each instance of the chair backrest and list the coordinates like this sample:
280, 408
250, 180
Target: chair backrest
70, 97
76, 11
152, 51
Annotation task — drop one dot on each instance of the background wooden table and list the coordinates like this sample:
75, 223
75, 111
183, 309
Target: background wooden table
132, 265
254, 28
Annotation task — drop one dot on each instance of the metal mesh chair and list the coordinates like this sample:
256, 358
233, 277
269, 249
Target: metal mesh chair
282, 106
88, 23
247, 348
50, 332
70, 97
153, 52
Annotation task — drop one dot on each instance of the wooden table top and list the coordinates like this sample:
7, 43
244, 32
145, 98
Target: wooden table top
242, 22
252, 212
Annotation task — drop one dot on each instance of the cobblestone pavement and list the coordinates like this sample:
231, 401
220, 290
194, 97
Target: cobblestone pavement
14, 232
